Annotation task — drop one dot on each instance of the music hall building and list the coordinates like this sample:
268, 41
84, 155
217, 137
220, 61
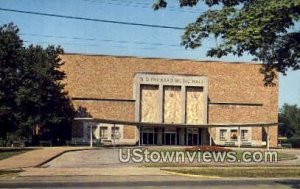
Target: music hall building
155, 101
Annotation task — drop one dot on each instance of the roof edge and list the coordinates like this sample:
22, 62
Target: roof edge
162, 58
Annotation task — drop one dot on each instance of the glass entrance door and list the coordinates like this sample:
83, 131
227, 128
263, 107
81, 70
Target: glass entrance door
170, 136
192, 139
148, 136
193, 136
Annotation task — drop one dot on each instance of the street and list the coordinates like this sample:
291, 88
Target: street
145, 182
102, 169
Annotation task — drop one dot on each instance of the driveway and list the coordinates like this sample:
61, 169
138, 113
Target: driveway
96, 162
101, 162
102, 158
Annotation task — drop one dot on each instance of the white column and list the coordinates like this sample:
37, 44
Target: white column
239, 137
183, 104
161, 103
139, 130
114, 134
91, 135
210, 138
268, 138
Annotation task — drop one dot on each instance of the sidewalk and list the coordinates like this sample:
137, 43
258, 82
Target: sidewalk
36, 157
120, 171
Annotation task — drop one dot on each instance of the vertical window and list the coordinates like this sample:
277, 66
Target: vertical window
223, 133
115, 133
103, 132
150, 103
172, 107
244, 134
194, 105
233, 134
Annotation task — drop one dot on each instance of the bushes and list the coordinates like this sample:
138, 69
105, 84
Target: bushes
295, 141
205, 148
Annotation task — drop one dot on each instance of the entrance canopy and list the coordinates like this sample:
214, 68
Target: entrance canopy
109, 121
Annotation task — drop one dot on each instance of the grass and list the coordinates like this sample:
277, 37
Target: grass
284, 156
9, 152
241, 172
213, 165
281, 157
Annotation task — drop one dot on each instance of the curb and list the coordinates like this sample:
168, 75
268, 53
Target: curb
190, 175
57, 155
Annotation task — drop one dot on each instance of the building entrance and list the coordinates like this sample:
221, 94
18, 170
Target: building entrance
193, 136
170, 136
148, 136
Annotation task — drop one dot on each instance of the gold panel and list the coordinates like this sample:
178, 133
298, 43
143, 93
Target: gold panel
194, 105
172, 104
150, 103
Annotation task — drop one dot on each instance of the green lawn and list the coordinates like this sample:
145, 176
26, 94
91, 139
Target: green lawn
9, 152
179, 165
281, 157
241, 172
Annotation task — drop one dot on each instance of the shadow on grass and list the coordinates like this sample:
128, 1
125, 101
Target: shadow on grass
290, 183
9, 152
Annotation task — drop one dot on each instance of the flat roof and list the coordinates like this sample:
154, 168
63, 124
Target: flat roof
167, 59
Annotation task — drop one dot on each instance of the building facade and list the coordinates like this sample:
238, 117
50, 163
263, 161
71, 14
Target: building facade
153, 101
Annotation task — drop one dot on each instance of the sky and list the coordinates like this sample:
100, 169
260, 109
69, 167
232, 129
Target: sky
81, 36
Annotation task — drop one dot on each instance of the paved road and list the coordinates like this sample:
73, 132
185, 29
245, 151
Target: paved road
102, 158
34, 157
147, 182
102, 169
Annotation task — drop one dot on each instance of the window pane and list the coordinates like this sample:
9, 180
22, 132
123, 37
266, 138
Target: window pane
115, 132
103, 132
244, 134
172, 104
194, 105
150, 103
233, 134
223, 134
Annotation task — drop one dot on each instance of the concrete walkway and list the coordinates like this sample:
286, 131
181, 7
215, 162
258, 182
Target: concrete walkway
120, 171
35, 157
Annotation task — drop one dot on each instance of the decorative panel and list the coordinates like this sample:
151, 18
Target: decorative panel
150, 103
172, 104
195, 105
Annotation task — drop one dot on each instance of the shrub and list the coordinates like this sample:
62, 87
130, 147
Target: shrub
295, 141
206, 148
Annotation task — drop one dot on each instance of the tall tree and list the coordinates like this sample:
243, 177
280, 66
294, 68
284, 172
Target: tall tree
265, 29
10, 56
289, 117
44, 105
41, 107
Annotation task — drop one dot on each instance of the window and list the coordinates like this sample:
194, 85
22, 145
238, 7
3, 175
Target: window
244, 134
233, 134
115, 133
223, 134
103, 132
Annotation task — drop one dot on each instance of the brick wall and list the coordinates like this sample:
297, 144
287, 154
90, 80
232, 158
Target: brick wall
108, 77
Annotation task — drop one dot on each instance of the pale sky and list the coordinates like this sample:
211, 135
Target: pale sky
81, 36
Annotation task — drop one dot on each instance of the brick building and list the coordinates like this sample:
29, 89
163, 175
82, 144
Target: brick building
154, 101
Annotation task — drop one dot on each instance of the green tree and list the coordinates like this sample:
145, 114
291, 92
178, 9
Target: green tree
289, 117
41, 99
10, 56
266, 29
42, 109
